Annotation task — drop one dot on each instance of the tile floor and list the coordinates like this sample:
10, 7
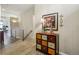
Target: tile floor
26, 47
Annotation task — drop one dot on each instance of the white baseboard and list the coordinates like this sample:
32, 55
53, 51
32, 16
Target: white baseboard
61, 53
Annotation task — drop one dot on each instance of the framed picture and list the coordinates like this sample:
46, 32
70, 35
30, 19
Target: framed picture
50, 21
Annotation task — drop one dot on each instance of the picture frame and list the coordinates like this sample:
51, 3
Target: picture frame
50, 22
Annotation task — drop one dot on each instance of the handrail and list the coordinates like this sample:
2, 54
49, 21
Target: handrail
27, 34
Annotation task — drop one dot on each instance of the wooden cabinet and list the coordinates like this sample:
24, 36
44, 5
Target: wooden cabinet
44, 49
44, 43
38, 46
51, 51
51, 45
1, 37
47, 43
39, 41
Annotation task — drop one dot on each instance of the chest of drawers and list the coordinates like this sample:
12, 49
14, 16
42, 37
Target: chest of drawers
47, 43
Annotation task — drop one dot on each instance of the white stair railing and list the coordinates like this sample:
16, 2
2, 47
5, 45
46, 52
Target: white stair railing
17, 34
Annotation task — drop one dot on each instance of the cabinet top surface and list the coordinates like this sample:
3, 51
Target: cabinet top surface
46, 33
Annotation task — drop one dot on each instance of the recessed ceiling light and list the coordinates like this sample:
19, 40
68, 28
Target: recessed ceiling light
14, 21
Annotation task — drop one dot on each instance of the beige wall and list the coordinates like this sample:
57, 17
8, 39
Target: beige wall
68, 34
6, 21
0, 12
27, 20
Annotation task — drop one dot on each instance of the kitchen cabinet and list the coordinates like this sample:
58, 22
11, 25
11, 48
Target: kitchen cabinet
1, 37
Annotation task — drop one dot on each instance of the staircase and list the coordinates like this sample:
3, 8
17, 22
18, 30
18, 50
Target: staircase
27, 34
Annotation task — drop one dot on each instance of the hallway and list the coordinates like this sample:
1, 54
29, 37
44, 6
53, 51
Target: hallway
26, 47
61, 19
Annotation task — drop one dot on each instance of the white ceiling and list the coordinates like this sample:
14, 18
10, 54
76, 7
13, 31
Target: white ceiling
16, 8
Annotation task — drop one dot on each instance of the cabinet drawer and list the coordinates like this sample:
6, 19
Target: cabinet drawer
51, 45
39, 41
44, 49
51, 51
44, 43
38, 46
38, 36
44, 37
52, 39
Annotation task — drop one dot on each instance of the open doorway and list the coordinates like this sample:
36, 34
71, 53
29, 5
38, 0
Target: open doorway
16, 31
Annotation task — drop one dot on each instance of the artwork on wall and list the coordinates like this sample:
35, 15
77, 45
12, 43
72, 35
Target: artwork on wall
50, 22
